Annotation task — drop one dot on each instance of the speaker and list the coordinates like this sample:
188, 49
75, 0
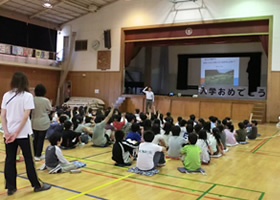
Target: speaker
107, 39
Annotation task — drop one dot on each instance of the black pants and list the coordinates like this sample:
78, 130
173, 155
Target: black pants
38, 143
10, 170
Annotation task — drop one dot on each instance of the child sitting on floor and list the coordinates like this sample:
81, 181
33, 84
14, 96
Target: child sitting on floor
149, 155
206, 149
69, 137
55, 162
175, 143
121, 150
240, 134
253, 133
229, 131
192, 153
217, 145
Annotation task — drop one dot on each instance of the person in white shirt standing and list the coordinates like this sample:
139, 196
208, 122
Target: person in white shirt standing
15, 111
150, 98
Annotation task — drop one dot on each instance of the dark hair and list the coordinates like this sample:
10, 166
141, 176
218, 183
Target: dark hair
189, 128
19, 82
99, 118
119, 135
135, 127
137, 111
213, 119
130, 117
175, 130
147, 124
167, 128
149, 136
183, 123
192, 117
255, 122
192, 138
230, 126
88, 119
54, 138
67, 125
202, 135
142, 116
241, 125
197, 128
62, 119
117, 118
79, 119
156, 121
216, 134
40, 90
201, 120
220, 127
168, 114
224, 122
245, 122
156, 129
207, 126
179, 119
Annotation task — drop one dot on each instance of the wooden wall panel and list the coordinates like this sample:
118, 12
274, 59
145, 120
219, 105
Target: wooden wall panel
185, 108
273, 97
48, 78
192, 107
218, 109
241, 111
162, 105
85, 83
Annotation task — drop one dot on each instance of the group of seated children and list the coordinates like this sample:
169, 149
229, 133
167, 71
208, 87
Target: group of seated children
145, 137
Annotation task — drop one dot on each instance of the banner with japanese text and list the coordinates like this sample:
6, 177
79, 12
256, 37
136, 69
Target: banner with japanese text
231, 92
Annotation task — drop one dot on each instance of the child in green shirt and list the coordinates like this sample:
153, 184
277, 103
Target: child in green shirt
192, 153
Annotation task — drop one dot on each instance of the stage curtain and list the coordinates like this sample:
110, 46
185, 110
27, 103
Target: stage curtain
182, 74
254, 72
131, 51
264, 41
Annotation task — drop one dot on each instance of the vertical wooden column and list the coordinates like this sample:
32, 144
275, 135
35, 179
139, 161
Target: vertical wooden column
148, 66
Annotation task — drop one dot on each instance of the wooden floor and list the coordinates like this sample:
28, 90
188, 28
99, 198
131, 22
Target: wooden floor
249, 171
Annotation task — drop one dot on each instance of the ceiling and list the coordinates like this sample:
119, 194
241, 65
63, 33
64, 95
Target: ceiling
62, 11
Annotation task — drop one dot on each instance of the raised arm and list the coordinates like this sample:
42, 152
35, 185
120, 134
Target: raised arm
144, 90
109, 115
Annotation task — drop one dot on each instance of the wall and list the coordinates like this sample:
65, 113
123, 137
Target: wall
152, 12
48, 78
84, 84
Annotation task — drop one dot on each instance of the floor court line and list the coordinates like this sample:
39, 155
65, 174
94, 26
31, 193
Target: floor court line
17, 189
168, 185
97, 154
265, 142
100, 186
62, 188
149, 185
203, 195
104, 163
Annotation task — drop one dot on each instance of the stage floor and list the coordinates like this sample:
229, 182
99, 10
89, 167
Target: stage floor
246, 172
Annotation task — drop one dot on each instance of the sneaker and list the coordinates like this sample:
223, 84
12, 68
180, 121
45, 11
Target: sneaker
161, 164
11, 191
225, 150
44, 187
81, 144
37, 158
42, 157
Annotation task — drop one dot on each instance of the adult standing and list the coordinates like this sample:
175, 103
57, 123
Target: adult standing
16, 107
40, 120
150, 98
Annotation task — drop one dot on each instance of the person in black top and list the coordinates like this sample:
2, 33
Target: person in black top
121, 149
68, 136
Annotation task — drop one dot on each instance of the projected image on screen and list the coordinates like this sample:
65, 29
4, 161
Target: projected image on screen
219, 71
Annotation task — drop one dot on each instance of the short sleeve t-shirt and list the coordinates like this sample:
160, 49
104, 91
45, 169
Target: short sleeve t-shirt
98, 136
147, 150
175, 145
15, 110
192, 158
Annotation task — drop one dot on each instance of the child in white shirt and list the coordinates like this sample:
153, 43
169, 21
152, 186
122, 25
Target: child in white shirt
204, 144
150, 155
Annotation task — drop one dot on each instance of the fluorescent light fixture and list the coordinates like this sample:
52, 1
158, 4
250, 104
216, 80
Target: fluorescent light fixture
47, 4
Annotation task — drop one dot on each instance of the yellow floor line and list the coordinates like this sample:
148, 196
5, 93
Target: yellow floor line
100, 186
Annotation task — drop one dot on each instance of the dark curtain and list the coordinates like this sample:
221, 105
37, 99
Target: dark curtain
131, 51
182, 74
254, 72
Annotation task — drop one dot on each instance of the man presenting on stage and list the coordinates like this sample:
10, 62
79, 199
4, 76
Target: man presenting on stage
149, 98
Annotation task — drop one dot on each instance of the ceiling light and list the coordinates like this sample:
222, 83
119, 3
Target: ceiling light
47, 4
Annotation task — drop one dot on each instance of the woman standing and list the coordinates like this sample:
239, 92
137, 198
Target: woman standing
15, 110
40, 120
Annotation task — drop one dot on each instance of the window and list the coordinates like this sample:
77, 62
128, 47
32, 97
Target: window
81, 45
